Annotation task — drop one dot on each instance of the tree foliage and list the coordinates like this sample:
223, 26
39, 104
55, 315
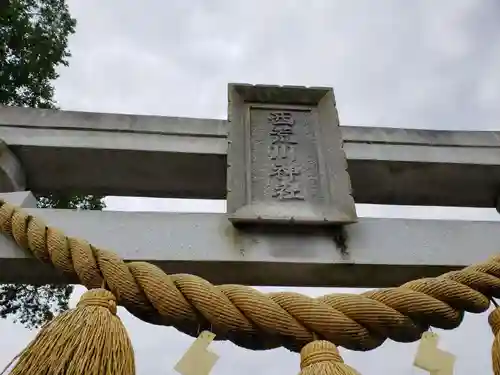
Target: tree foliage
33, 44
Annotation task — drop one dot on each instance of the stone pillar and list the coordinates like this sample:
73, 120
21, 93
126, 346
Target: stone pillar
285, 160
24, 199
12, 176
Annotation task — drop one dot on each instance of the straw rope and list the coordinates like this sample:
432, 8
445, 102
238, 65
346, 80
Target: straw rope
323, 358
494, 320
89, 339
253, 319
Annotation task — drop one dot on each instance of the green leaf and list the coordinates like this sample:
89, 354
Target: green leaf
33, 44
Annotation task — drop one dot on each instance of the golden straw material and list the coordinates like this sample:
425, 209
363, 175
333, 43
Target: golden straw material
89, 339
253, 319
323, 358
494, 320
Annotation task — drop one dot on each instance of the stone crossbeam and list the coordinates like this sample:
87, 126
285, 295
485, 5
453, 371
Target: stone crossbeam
152, 156
380, 251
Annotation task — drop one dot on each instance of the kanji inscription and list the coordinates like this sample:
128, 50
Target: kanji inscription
282, 141
285, 176
285, 159
287, 186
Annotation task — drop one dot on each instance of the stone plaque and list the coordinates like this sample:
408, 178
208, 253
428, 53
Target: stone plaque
285, 158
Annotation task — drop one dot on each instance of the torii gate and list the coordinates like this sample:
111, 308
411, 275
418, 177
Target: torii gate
290, 175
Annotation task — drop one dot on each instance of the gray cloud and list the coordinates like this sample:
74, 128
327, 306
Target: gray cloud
392, 63
422, 64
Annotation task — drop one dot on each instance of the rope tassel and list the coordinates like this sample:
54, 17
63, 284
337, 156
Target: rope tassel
494, 320
322, 358
89, 339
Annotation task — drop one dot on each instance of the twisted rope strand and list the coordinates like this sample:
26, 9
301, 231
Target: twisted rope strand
253, 319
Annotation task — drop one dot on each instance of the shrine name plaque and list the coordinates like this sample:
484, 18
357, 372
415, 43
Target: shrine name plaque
285, 158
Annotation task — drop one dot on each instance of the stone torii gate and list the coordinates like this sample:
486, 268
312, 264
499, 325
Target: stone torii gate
291, 176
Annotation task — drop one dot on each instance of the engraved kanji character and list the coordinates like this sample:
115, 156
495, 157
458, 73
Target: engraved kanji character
281, 172
288, 190
281, 151
282, 134
281, 118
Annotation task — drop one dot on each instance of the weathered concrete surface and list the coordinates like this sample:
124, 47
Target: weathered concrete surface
381, 252
117, 154
186, 158
12, 176
23, 199
285, 160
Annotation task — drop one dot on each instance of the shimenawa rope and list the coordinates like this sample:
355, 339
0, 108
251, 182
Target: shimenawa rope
89, 339
253, 319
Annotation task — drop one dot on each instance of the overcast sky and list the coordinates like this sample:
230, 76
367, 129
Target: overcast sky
419, 64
